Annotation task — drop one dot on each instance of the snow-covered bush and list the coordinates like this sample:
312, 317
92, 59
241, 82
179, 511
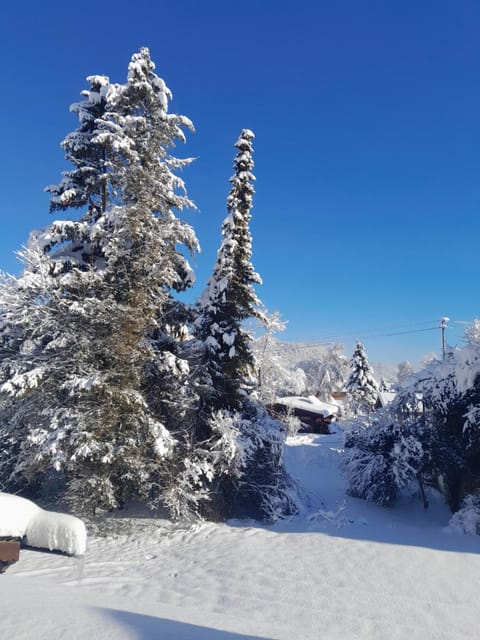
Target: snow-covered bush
450, 397
237, 473
259, 487
437, 408
291, 422
381, 459
467, 518
198, 472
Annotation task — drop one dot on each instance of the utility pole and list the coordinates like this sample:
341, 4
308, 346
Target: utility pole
443, 326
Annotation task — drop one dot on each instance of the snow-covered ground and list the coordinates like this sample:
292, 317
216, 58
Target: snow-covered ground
342, 570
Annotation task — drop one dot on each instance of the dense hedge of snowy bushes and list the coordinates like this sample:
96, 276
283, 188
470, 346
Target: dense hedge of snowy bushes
430, 435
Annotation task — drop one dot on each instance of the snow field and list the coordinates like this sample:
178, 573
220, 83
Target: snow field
368, 573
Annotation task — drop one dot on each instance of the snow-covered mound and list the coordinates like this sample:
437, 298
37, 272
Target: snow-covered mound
45, 529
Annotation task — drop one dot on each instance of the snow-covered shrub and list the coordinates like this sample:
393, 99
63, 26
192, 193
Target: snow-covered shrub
187, 494
261, 487
198, 468
237, 473
450, 392
382, 459
87, 494
431, 430
291, 422
467, 518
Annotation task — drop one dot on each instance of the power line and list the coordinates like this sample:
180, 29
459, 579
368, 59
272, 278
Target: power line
312, 345
370, 335
369, 332
401, 333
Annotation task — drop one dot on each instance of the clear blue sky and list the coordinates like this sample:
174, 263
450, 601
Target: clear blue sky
367, 150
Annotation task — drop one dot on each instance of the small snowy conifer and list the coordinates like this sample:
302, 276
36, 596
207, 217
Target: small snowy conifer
361, 385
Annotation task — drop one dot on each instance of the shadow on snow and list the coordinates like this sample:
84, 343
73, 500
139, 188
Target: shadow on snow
147, 627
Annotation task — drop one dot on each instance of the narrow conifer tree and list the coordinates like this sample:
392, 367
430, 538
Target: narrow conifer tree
230, 298
236, 463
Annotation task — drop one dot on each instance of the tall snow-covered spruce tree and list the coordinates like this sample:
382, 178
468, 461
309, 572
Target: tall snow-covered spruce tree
230, 298
80, 325
361, 386
242, 473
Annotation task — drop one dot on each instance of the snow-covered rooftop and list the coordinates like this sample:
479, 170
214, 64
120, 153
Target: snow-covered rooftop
310, 403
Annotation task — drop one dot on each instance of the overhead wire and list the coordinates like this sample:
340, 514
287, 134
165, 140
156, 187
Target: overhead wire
373, 331
368, 334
